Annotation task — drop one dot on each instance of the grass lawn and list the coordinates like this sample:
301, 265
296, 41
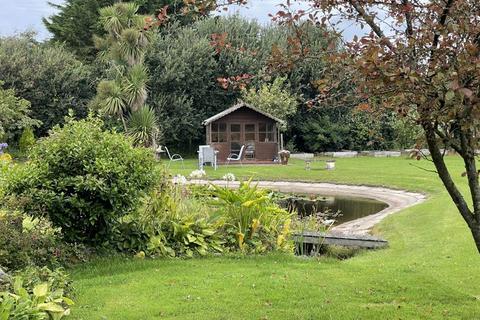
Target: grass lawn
430, 271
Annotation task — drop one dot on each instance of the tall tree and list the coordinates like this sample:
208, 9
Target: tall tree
75, 23
124, 47
274, 98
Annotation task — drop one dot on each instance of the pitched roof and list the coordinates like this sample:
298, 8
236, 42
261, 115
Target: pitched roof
237, 106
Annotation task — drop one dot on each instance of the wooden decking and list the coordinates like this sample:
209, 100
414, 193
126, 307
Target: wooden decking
346, 240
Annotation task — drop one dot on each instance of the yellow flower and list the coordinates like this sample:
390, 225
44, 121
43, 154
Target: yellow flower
140, 255
255, 225
5, 157
240, 237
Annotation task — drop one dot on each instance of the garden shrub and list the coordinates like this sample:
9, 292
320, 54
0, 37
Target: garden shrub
26, 241
27, 140
83, 179
57, 279
253, 221
173, 224
47, 77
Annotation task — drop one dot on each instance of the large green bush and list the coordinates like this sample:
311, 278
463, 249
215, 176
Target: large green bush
48, 76
84, 179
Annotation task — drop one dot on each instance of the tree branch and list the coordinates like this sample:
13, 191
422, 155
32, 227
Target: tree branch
441, 22
371, 22
408, 19
448, 140
424, 169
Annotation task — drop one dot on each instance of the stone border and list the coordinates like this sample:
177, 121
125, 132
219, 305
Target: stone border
396, 199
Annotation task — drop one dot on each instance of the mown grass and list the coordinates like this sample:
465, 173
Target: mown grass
430, 271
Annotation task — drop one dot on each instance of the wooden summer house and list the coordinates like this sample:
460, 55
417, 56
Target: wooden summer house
245, 125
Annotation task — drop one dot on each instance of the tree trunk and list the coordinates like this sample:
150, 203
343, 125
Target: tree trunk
470, 218
476, 235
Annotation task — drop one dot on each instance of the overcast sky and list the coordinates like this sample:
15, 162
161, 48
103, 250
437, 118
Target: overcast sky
21, 15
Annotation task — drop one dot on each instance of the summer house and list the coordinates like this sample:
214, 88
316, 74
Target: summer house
244, 125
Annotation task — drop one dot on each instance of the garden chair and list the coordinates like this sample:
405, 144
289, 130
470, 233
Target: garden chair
236, 157
174, 157
250, 151
207, 154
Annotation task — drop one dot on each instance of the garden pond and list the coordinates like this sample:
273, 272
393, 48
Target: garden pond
340, 208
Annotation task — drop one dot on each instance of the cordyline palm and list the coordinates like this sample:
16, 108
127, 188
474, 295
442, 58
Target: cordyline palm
135, 86
126, 41
142, 126
111, 99
124, 47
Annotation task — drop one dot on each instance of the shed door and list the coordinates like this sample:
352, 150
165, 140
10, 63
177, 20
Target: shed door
235, 138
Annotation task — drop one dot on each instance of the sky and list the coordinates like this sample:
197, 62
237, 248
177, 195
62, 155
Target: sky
26, 15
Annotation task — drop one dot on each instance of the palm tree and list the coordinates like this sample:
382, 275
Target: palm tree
135, 86
142, 127
111, 98
124, 47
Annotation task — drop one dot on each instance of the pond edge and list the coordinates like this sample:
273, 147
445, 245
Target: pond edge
396, 200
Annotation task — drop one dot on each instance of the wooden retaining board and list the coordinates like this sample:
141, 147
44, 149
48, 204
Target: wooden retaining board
345, 240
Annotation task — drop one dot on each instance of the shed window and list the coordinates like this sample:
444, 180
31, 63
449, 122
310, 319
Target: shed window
235, 130
266, 132
219, 132
249, 132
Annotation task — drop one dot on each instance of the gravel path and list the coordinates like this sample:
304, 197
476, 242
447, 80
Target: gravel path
396, 199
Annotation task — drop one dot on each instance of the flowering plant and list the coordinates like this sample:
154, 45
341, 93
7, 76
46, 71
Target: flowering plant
179, 179
3, 146
229, 177
197, 174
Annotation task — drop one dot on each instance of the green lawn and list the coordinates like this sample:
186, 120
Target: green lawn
430, 271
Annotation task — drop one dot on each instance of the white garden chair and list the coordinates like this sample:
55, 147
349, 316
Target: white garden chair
207, 154
236, 157
174, 157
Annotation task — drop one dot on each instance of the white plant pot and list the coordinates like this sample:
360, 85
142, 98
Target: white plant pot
330, 164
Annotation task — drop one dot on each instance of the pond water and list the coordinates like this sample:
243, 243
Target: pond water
350, 208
